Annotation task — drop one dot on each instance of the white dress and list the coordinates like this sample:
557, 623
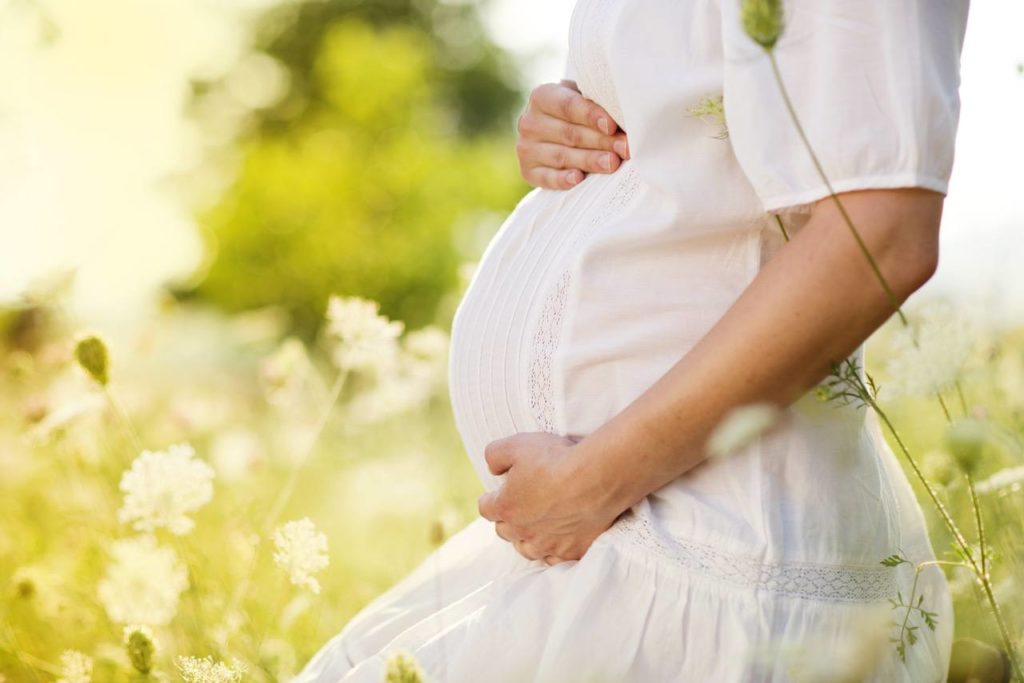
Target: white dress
745, 568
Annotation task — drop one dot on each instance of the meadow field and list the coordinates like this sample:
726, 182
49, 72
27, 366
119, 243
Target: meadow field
276, 500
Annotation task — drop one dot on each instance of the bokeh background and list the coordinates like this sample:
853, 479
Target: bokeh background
193, 179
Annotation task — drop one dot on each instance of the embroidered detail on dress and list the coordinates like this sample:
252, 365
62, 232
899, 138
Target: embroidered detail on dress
545, 339
549, 324
833, 583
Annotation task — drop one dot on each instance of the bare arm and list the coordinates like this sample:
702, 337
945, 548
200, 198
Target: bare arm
812, 304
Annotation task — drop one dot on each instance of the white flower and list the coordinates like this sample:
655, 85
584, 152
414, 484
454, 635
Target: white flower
944, 344
365, 339
283, 373
1011, 478
425, 354
75, 667
418, 373
740, 426
206, 670
391, 396
236, 453
163, 487
301, 551
143, 584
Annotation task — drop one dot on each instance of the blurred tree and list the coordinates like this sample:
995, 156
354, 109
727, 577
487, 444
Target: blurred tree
398, 120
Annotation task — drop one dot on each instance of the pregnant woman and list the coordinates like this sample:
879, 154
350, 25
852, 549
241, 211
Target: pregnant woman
616, 318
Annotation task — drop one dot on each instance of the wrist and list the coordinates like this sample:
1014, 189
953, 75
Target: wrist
604, 468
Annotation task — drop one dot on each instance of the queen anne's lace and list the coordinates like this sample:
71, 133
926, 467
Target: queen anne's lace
832, 583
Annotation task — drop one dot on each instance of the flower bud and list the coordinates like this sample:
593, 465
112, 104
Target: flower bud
91, 354
138, 640
762, 20
402, 667
966, 439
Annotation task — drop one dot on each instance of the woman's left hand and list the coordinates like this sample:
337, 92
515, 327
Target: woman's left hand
549, 506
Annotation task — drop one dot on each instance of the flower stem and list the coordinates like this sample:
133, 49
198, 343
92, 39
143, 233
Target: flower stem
126, 419
961, 541
286, 491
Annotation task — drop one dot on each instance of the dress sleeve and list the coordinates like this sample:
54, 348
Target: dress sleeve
874, 84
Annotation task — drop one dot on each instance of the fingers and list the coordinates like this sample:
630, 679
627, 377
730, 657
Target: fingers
505, 531
551, 165
498, 456
554, 178
527, 550
562, 136
568, 104
542, 127
487, 505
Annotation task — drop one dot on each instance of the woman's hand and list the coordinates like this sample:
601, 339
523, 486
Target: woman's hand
563, 136
549, 506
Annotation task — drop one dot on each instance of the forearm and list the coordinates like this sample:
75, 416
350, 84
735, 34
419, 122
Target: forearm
812, 304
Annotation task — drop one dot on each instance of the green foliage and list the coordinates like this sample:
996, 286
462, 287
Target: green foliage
361, 193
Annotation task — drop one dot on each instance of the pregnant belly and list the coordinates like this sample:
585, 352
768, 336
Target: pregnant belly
507, 327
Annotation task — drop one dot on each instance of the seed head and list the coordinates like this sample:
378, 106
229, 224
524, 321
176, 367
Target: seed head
91, 354
138, 641
966, 438
763, 21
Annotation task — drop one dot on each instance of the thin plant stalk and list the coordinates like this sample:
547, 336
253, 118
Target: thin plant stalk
286, 491
980, 571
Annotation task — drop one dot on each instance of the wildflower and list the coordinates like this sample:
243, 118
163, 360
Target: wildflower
943, 346
1011, 478
428, 345
711, 109
138, 641
162, 487
236, 453
365, 339
75, 667
91, 354
763, 21
282, 373
939, 467
301, 551
143, 584
966, 438
207, 670
402, 667
740, 426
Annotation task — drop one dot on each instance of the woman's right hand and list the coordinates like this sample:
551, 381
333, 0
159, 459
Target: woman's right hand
562, 136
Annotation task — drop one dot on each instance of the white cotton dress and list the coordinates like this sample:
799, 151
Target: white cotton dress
756, 567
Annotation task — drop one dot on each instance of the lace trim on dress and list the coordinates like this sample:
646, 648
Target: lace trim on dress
549, 324
833, 583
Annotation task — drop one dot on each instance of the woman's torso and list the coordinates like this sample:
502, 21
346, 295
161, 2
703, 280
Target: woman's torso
585, 297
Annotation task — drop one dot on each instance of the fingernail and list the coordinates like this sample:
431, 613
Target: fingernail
606, 161
621, 149
574, 177
603, 124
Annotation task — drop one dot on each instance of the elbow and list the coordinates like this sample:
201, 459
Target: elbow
916, 267
902, 227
